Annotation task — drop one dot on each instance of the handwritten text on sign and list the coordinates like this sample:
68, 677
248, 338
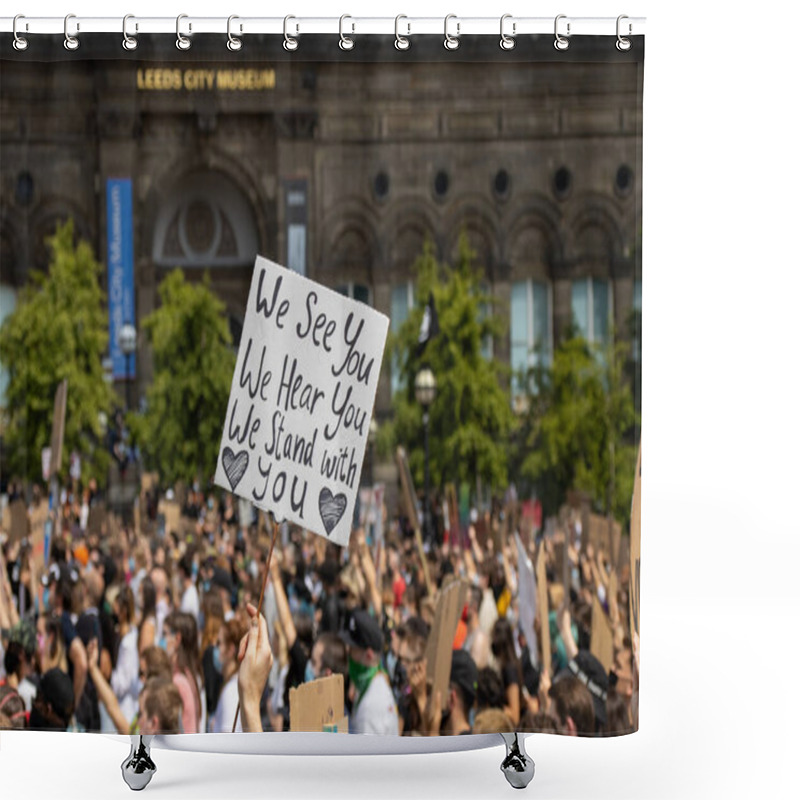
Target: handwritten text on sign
301, 401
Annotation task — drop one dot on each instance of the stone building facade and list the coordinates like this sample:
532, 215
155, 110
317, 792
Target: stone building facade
341, 169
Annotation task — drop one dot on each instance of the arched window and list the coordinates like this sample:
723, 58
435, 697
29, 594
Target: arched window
205, 221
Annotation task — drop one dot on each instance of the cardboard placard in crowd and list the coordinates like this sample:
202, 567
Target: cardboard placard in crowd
301, 401
15, 520
408, 495
318, 706
635, 547
57, 432
439, 650
38, 520
149, 481
542, 606
602, 636
96, 520
171, 511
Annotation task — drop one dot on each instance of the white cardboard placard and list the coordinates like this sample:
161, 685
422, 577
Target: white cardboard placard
301, 401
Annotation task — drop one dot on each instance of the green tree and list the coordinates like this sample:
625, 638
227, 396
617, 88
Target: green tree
59, 330
180, 431
471, 417
580, 428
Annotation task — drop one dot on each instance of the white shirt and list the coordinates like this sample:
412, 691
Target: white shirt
226, 708
125, 677
376, 711
190, 602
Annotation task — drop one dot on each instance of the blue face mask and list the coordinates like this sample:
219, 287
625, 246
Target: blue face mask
162, 643
309, 676
391, 663
131, 564
206, 586
194, 570
217, 659
46, 598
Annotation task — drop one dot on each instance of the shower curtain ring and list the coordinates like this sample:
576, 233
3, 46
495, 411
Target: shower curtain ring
20, 42
70, 42
561, 42
182, 42
401, 42
623, 43
345, 42
234, 43
289, 42
451, 42
129, 42
507, 42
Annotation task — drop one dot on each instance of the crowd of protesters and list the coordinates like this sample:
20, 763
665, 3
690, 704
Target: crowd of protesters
143, 629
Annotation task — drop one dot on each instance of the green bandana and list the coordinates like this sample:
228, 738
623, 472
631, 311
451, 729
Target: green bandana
361, 676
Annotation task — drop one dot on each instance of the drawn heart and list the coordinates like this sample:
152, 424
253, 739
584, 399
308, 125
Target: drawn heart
331, 508
235, 465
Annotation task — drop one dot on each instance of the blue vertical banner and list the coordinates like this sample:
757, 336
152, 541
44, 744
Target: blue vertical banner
119, 218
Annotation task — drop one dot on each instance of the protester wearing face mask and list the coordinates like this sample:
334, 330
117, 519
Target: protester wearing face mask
374, 709
225, 656
458, 716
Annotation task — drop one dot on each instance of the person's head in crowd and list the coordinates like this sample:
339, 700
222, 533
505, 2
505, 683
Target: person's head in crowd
160, 582
623, 670
328, 572
618, 712
65, 590
349, 587
230, 634
212, 619
222, 584
185, 569
160, 707
490, 692
180, 632
364, 641
492, 720
572, 707
474, 599
124, 608
502, 642
328, 657
53, 651
24, 635
304, 625
582, 616
141, 559
12, 706
94, 585
54, 703
411, 654
16, 662
154, 663
539, 722
589, 671
159, 557
462, 693
147, 590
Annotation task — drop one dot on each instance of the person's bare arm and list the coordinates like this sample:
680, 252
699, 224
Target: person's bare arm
368, 569
255, 662
104, 691
565, 629
512, 706
147, 635
284, 612
77, 655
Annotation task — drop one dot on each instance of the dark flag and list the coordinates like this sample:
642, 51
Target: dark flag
429, 327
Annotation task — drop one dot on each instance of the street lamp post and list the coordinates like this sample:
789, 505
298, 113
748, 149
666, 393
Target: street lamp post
425, 392
127, 343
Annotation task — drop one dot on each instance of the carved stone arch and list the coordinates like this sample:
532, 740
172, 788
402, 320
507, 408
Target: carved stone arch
476, 217
409, 226
533, 243
596, 240
349, 246
167, 178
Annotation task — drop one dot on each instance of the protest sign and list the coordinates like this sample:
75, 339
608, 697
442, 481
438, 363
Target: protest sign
601, 644
318, 706
17, 515
171, 510
635, 548
97, 519
543, 607
439, 650
38, 519
301, 401
527, 595
57, 433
